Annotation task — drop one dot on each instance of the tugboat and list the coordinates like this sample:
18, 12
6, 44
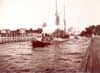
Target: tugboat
43, 42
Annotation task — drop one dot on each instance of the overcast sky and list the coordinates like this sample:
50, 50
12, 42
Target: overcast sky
33, 13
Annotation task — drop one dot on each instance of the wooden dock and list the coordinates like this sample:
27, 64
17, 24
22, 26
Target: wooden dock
91, 60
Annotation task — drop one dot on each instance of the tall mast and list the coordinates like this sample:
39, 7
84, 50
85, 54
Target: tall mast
64, 17
56, 7
56, 14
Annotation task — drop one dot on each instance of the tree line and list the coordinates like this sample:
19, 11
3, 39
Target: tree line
93, 29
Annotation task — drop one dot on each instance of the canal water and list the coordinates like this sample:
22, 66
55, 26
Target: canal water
21, 57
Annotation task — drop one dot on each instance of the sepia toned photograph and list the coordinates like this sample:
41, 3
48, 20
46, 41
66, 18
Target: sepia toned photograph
49, 36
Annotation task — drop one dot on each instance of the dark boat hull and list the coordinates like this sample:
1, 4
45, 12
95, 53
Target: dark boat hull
40, 43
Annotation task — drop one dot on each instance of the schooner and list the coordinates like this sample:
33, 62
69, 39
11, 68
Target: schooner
60, 33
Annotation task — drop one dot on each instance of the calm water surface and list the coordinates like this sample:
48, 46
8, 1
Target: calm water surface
21, 57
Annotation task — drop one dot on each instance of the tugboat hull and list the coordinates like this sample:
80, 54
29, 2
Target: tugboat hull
40, 44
